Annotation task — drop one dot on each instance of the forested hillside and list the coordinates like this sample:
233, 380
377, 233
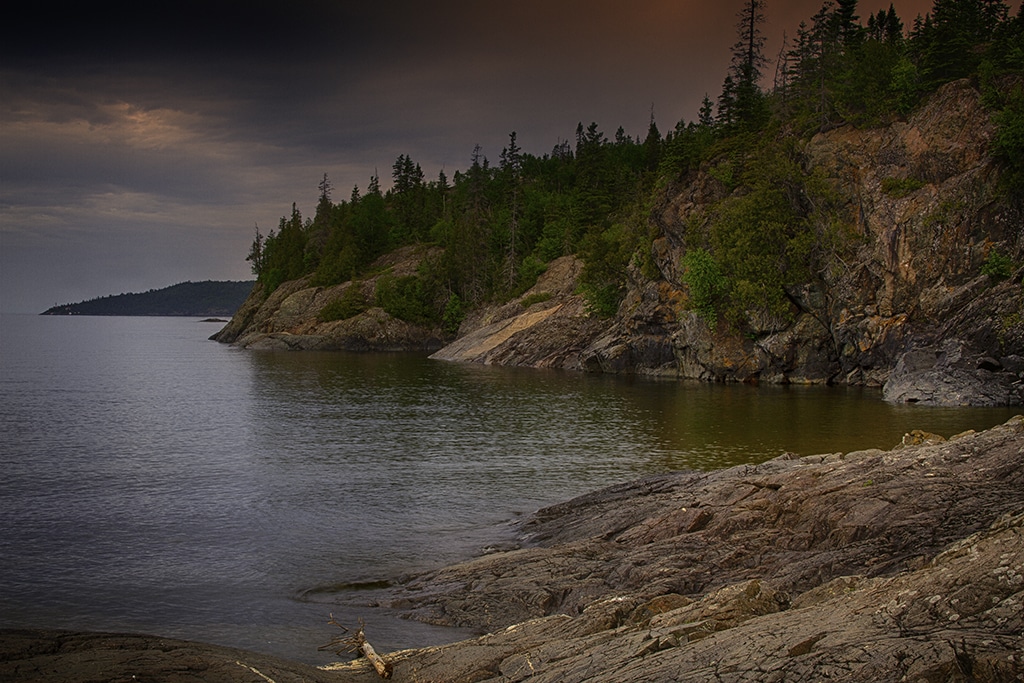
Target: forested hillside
185, 299
776, 224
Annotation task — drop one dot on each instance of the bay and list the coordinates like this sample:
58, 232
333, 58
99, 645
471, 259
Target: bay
158, 482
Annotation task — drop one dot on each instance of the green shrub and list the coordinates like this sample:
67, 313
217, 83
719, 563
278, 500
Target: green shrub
1008, 145
997, 266
901, 187
454, 314
602, 300
529, 270
350, 303
406, 298
536, 298
708, 284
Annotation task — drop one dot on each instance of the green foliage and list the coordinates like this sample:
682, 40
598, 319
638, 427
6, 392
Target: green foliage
605, 257
454, 314
531, 269
997, 266
406, 298
351, 303
601, 301
284, 253
1008, 145
905, 86
707, 283
537, 298
901, 187
960, 31
774, 231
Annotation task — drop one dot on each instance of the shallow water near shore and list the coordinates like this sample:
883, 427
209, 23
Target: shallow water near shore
158, 482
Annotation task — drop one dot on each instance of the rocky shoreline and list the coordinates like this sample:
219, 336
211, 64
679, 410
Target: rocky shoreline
875, 565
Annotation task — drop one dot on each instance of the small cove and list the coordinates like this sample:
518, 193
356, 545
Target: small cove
155, 481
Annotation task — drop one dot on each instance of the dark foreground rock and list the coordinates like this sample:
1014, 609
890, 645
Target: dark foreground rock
873, 566
66, 657
870, 566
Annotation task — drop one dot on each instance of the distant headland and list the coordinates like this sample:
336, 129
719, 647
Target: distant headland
208, 298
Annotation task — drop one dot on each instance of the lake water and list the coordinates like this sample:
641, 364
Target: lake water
155, 481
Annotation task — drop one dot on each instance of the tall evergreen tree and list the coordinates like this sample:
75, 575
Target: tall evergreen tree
959, 28
748, 61
847, 28
512, 169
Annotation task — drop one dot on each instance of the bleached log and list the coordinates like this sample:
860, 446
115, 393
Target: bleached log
357, 643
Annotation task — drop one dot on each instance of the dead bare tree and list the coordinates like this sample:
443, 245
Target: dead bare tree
357, 642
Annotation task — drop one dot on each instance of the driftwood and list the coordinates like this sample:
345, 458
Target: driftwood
357, 643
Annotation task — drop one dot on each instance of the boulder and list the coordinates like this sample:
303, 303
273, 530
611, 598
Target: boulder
950, 375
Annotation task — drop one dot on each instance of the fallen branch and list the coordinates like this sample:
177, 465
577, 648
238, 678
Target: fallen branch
357, 643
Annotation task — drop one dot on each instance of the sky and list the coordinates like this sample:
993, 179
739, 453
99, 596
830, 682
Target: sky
141, 143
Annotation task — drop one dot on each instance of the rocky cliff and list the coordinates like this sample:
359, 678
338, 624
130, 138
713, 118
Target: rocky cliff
905, 307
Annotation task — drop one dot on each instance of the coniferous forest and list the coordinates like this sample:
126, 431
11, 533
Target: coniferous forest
182, 299
499, 224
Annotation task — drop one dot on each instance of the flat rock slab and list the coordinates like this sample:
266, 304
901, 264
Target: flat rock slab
69, 657
796, 522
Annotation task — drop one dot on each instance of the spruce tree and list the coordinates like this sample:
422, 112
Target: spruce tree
748, 61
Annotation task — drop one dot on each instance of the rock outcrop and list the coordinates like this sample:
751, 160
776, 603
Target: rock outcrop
912, 288
869, 566
906, 307
552, 332
289, 319
32, 656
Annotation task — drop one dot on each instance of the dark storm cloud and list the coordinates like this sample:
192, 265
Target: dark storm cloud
129, 30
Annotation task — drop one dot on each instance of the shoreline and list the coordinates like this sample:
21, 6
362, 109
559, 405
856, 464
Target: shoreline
869, 566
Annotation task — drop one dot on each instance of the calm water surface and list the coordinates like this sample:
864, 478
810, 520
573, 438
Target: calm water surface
155, 481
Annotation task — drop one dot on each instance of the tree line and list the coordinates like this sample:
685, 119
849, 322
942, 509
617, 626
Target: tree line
498, 225
207, 298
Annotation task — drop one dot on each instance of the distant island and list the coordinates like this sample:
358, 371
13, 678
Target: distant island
209, 298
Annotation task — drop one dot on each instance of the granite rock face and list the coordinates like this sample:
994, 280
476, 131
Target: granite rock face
914, 282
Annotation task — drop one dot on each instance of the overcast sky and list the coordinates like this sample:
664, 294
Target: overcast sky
142, 142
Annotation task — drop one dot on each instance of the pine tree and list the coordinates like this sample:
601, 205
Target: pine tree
847, 30
706, 115
511, 165
748, 61
959, 27
726, 113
